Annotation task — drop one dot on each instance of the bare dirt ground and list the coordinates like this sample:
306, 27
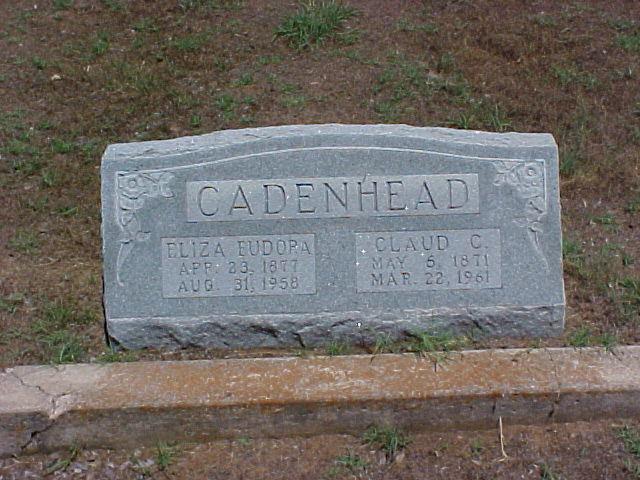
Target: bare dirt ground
76, 75
563, 451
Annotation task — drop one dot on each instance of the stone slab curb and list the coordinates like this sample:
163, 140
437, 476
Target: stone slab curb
118, 405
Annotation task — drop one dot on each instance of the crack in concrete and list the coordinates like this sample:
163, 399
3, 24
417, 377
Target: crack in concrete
36, 432
54, 398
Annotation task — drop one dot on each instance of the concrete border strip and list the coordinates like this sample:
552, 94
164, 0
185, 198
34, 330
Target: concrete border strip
116, 405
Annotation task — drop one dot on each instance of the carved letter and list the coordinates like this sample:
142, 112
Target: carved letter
395, 194
299, 186
466, 193
267, 208
425, 190
208, 199
241, 206
342, 201
374, 193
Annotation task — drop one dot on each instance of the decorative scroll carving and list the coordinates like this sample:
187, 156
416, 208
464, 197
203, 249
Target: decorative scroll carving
528, 180
132, 188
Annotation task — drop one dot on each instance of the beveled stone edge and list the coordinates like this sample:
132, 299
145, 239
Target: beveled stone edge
122, 405
223, 138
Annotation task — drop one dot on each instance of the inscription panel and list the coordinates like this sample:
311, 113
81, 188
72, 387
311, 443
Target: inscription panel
428, 260
238, 266
332, 197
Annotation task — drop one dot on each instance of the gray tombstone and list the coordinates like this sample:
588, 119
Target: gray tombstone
300, 235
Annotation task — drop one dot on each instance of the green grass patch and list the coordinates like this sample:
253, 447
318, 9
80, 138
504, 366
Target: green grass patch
100, 44
569, 161
388, 439
581, 338
62, 4
425, 342
244, 79
568, 76
547, 473
348, 463
25, 242
405, 25
145, 25
336, 348
56, 330
630, 297
113, 5
226, 103
630, 42
631, 438
314, 23
607, 220
190, 43
544, 20
61, 146
11, 303
165, 455
39, 62
573, 256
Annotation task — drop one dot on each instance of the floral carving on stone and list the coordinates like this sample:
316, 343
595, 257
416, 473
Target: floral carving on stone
528, 180
133, 188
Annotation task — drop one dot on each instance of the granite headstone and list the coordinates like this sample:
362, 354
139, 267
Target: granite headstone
300, 235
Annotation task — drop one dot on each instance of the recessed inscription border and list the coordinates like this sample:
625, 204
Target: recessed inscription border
422, 260
243, 265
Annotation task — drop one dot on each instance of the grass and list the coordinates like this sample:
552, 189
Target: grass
244, 79
630, 298
62, 4
113, 356
571, 76
573, 256
62, 464
630, 42
404, 25
25, 242
101, 44
165, 455
39, 63
314, 23
631, 439
583, 337
190, 43
49, 178
476, 447
61, 146
608, 220
424, 343
349, 462
389, 440
113, 5
384, 344
226, 103
547, 473
56, 329
145, 25
569, 161
336, 348
11, 303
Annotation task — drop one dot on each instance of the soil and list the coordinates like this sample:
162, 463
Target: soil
562, 451
76, 75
